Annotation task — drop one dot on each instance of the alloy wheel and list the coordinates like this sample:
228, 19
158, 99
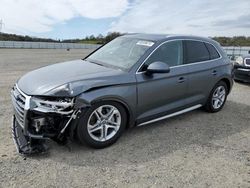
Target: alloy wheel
104, 123
219, 97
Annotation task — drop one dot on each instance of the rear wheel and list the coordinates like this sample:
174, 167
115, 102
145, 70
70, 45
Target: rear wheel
102, 124
217, 97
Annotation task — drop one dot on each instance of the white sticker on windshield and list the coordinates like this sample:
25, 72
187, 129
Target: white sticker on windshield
145, 43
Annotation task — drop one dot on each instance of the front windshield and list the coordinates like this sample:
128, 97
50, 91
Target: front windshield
122, 52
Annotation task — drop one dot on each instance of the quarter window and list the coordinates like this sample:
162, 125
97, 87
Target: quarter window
170, 53
212, 51
196, 52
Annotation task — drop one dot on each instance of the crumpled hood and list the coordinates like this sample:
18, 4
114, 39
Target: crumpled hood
86, 75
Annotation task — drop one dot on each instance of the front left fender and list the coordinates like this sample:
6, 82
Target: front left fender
124, 94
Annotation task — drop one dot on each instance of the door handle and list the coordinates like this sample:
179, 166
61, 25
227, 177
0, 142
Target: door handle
181, 80
214, 72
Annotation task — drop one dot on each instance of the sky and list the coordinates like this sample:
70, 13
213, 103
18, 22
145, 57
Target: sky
65, 19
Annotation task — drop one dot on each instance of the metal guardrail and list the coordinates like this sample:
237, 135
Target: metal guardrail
232, 51
235, 51
46, 45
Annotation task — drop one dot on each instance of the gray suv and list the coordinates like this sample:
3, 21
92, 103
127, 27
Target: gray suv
134, 80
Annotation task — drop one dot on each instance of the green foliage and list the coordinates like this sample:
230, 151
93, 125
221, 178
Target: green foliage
13, 37
111, 36
233, 41
100, 39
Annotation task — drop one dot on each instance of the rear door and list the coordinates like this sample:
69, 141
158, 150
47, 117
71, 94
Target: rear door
202, 60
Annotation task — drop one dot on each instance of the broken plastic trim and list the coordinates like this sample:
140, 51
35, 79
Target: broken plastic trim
47, 106
32, 144
26, 145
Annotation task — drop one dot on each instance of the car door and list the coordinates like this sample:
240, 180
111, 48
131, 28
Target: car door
203, 69
162, 93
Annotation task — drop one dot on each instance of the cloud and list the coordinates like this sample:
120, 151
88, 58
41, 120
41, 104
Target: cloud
38, 16
99, 8
207, 17
240, 22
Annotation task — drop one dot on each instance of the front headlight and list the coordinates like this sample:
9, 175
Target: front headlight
239, 60
58, 105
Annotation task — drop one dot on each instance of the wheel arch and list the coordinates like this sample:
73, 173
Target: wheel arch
126, 95
228, 83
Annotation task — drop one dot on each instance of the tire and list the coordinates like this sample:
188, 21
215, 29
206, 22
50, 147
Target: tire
97, 119
210, 105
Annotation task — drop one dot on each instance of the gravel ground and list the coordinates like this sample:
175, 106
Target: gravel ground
196, 149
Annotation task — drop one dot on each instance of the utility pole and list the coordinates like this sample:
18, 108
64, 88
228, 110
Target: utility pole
1, 25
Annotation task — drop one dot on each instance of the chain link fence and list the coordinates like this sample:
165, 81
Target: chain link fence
46, 45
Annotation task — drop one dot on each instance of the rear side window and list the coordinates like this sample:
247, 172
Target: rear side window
212, 51
195, 51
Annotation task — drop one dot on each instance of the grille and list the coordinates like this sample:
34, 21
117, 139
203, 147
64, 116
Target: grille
18, 101
247, 62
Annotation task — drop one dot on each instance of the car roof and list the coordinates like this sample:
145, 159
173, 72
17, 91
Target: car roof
144, 36
163, 37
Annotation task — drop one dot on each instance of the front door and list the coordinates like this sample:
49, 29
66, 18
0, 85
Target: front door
162, 93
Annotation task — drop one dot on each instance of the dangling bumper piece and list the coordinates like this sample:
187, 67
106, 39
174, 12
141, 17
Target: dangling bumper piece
26, 145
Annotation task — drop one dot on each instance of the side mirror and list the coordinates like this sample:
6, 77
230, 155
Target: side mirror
158, 67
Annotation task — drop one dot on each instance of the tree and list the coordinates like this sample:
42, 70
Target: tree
100, 37
111, 35
92, 37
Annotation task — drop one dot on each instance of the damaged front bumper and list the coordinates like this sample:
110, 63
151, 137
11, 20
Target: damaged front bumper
26, 145
38, 119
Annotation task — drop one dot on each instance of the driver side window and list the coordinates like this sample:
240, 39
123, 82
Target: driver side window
170, 53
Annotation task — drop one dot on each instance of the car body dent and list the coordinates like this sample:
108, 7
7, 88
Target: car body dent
124, 94
43, 80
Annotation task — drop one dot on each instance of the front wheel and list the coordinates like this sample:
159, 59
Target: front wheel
217, 97
102, 124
